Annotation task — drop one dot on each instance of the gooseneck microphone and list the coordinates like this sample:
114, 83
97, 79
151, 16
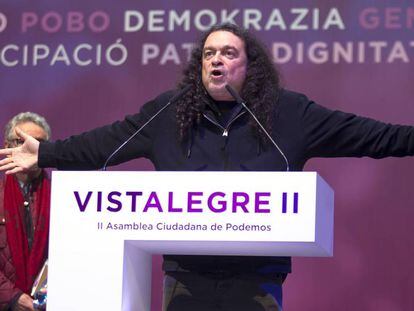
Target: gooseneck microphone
239, 100
177, 96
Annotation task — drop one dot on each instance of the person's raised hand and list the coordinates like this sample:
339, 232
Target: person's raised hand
22, 158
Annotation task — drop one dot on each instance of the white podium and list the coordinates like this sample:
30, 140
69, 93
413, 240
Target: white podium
106, 225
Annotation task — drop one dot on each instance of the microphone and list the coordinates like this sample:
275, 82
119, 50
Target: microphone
177, 96
240, 101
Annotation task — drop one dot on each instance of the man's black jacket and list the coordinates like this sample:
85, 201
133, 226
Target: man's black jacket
301, 128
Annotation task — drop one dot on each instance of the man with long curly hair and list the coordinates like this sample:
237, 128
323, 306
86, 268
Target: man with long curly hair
225, 55
206, 129
208, 73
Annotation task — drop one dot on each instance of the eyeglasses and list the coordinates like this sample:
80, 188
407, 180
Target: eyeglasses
18, 142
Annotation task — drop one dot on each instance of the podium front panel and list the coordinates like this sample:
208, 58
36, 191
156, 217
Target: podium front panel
105, 226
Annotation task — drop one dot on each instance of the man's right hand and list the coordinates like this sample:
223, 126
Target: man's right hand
22, 158
24, 303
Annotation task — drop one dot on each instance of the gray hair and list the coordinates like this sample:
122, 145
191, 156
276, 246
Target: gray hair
26, 117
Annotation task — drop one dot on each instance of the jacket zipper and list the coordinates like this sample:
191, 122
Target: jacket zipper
225, 134
227, 128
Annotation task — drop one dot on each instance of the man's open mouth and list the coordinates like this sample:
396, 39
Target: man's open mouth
217, 73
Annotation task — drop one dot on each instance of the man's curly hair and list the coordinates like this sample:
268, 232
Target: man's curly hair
260, 89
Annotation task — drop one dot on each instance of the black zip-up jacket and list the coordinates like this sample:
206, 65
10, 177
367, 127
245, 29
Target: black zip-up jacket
301, 128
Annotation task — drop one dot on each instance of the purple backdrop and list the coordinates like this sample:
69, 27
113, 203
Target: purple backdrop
357, 56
